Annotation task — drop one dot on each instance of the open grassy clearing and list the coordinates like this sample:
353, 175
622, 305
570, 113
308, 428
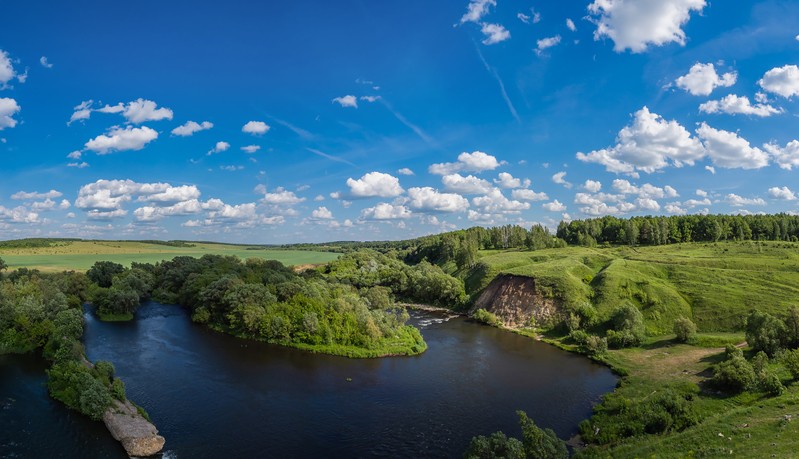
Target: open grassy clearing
714, 284
745, 425
81, 255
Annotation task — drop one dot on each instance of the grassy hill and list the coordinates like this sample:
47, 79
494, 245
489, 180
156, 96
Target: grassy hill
80, 255
714, 284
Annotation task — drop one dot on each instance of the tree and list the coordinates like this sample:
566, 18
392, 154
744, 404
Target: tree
540, 443
3, 265
764, 332
495, 446
685, 330
791, 338
102, 272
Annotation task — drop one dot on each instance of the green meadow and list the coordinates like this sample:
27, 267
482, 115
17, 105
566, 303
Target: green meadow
714, 284
81, 255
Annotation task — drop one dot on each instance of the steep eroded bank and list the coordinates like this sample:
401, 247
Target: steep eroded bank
515, 300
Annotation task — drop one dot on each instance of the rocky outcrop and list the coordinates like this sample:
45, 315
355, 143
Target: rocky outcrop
138, 436
515, 300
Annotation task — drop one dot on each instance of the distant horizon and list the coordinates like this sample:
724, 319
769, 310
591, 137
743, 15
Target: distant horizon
309, 121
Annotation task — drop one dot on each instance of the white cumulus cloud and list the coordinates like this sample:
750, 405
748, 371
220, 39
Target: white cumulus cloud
506, 180
375, 184
385, 211
782, 193
738, 105
322, 213
786, 157
466, 185
649, 144
637, 24
139, 111
783, 81
702, 79
476, 161
122, 139
219, 148
528, 195
739, 201
494, 33
8, 108
347, 101
191, 127
427, 199
546, 43
554, 206
726, 149
255, 128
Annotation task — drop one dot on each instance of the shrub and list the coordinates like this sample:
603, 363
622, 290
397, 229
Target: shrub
685, 330
481, 315
734, 374
497, 445
540, 443
595, 346
770, 383
579, 337
118, 389
790, 360
628, 327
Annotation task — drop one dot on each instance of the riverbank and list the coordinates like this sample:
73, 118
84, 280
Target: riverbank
407, 342
743, 425
428, 308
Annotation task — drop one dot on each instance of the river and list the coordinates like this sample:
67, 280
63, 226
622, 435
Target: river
212, 395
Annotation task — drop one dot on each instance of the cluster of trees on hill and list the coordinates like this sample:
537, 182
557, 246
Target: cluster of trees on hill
459, 248
44, 311
345, 312
685, 228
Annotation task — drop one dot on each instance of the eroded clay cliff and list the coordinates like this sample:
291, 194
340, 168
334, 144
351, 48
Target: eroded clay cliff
515, 300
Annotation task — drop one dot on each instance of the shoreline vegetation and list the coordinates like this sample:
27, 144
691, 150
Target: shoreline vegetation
697, 314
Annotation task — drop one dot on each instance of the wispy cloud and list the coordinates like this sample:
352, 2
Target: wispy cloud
307, 135
422, 135
330, 157
494, 73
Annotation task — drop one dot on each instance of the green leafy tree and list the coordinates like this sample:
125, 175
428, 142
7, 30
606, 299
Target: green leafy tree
102, 272
540, 443
685, 330
764, 332
495, 446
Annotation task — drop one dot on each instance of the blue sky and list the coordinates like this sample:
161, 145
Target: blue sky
354, 120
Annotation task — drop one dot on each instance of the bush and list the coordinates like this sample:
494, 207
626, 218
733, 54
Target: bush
495, 446
579, 337
734, 374
790, 360
770, 383
595, 346
628, 327
764, 332
540, 443
118, 389
481, 315
685, 330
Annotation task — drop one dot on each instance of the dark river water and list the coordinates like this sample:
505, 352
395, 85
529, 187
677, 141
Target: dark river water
215, 396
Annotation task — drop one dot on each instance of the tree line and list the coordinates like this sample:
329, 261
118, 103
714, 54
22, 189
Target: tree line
683, 228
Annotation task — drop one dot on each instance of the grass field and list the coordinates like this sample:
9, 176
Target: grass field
746, 425
714, 284
81, 255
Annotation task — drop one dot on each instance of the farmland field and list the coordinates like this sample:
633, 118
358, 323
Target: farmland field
81, 255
